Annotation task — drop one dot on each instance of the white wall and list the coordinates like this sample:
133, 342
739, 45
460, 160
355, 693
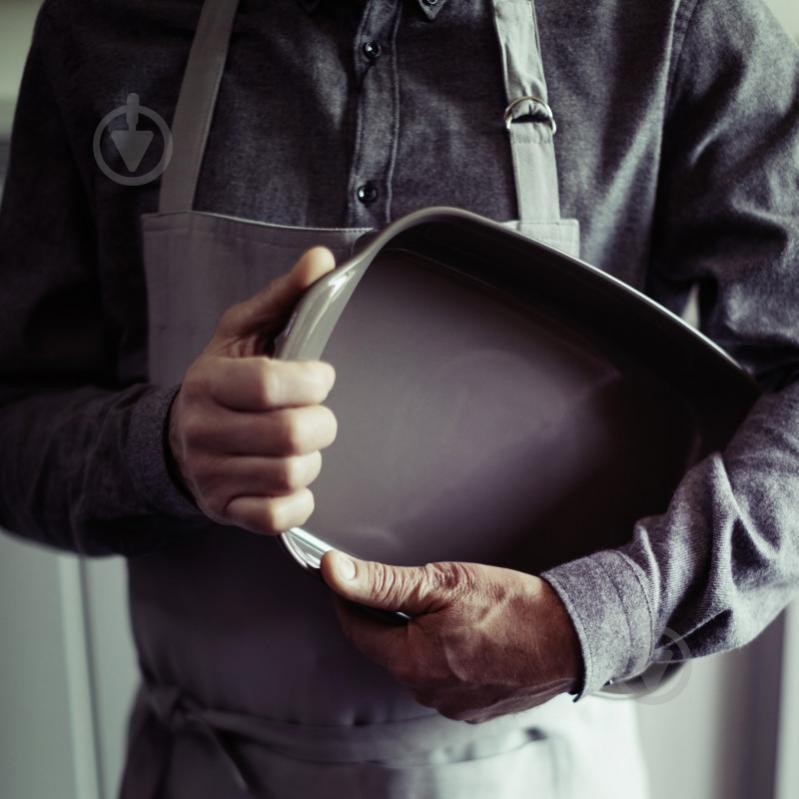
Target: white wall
16, 24
788, 751
788, 13
36, 760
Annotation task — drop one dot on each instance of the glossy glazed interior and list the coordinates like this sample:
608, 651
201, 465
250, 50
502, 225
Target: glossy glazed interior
475, 425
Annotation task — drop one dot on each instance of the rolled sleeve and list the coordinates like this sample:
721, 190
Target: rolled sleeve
723, 560
605, 598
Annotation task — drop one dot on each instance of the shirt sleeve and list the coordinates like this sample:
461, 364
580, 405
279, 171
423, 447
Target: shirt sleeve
83, 460
723, 560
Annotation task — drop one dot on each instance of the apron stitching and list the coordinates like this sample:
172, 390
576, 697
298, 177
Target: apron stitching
395, 126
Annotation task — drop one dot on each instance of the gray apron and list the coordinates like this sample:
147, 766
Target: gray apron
249, 686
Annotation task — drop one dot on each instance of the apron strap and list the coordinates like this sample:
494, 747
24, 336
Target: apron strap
527, 117
196, 103
160, 712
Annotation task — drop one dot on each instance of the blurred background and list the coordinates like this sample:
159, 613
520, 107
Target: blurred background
729, 729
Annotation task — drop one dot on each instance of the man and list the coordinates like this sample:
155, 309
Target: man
676, 152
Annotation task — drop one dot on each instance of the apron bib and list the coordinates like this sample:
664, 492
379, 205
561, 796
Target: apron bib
250, 688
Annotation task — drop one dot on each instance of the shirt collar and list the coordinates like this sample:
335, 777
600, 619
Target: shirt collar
429, 7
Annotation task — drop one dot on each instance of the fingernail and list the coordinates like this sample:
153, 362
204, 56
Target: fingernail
344, 566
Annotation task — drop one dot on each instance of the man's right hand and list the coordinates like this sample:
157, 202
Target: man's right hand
246, 430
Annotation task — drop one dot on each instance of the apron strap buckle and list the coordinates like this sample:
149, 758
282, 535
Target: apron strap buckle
539, 110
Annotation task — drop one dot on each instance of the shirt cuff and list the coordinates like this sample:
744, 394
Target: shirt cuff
148, 457
605, 598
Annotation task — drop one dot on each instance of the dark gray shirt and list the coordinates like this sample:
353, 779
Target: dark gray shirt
678, 149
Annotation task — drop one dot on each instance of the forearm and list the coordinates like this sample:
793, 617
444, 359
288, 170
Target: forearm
714, 569
84, 469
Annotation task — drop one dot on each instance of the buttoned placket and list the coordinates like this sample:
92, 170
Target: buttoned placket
377, 119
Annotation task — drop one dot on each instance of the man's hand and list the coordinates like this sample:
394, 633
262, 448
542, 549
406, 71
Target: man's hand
484, 641
246, 430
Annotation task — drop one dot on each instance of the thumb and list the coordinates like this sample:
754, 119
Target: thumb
415, 589
268, 310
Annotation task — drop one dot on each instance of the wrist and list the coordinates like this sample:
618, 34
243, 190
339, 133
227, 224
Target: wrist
147, 457
171, 446
563, 641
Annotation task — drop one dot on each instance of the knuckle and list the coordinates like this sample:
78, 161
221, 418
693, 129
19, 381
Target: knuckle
310, 505
292, 432
271, 516
207, 471
449, 577
297, 435
193, 427
281, 513
384, 581
325, 425
334, 425
202, 379
329, 373
228, 320
292, 473
303, 430
193, 387
268, 385
315, 468
297, 471
321, 373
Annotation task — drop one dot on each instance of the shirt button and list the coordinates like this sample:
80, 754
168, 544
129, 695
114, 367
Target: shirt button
367, 193
372, 50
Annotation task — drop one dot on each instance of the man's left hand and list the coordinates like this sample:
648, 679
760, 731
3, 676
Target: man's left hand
484, 641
